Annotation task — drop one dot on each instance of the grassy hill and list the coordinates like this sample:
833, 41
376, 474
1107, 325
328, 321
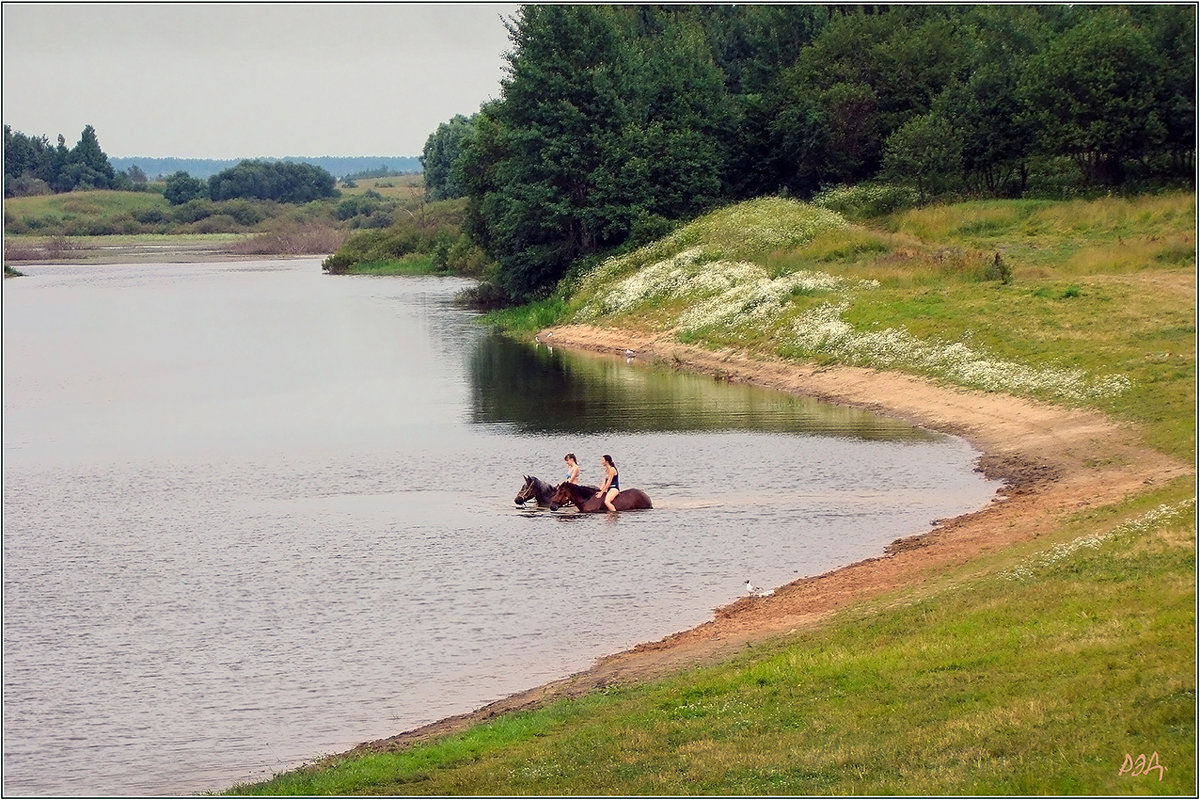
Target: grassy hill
1045, 668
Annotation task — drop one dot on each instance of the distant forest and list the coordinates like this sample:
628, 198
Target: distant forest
32, 165
337, 166
617, 122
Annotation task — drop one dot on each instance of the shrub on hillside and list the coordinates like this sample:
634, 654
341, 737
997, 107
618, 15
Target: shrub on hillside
868, 199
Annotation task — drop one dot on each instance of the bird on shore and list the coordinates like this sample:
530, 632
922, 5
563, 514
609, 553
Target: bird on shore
754, 591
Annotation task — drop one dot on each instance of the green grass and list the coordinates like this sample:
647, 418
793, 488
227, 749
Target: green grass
83, 213
529, 318
1033, 670
416, 264
1036, 674
407, 188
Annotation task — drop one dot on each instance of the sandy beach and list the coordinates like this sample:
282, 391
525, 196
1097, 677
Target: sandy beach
1053, 462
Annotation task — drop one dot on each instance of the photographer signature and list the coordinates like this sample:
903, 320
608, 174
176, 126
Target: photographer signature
1142, 765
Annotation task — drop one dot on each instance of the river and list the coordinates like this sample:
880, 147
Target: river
253, 514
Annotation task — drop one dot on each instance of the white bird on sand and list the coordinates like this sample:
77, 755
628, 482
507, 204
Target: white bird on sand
754, 591
630, 354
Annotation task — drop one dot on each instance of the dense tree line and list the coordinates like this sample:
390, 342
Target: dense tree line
615, 121
33, 166
281, 181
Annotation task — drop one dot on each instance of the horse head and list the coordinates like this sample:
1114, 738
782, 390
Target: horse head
528, 492
562, 496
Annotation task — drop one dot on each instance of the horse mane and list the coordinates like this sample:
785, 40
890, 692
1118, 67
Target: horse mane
576, 490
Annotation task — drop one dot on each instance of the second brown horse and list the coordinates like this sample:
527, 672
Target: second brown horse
585, 499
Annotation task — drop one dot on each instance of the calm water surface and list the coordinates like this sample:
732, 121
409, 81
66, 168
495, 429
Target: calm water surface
254, 514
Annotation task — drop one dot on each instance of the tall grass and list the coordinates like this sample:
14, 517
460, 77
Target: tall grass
310, 238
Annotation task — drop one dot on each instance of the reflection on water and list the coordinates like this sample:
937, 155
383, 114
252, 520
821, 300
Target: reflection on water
254, 513
541, 389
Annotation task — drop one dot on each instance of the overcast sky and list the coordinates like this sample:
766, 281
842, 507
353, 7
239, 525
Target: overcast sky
241, 80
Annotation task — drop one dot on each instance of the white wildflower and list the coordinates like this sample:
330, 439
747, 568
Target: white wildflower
1151, 520
822, 331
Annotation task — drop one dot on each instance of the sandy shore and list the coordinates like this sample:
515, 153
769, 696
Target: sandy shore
1053, 461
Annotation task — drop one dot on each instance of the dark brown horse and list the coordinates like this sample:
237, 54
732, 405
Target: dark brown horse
539, 490
585, 499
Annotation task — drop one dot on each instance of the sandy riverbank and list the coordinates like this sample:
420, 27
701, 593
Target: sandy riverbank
1054, 462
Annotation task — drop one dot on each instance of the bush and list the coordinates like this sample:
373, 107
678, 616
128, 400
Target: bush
182, 188
150, 216
217, 223
485, 296
648, 228
193, 210
245, 212
868, 199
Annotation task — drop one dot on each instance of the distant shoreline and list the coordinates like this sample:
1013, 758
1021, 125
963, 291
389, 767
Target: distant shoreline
134, 249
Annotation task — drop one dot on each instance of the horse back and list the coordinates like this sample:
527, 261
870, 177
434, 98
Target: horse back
627, 499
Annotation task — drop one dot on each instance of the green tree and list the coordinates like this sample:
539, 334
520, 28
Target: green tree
1171, 31
681, 118
442, 149
1092, 93
181, 188
924, 151
281, 181
863, 77
542, 170
24, 162
984, 109
87, 165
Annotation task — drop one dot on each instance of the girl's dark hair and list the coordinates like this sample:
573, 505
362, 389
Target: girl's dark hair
570, 456
610, 461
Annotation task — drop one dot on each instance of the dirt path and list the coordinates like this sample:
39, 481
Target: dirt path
1054, 462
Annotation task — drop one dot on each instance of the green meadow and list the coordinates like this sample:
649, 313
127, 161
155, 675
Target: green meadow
1062, 665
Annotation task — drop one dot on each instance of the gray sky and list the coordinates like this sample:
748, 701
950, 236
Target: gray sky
242, 80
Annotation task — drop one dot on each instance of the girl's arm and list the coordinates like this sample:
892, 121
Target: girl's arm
608, 476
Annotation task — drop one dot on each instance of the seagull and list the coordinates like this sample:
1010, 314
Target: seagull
754, 591
630, 354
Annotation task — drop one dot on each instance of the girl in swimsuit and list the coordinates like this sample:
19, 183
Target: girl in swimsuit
612, 482
572, 468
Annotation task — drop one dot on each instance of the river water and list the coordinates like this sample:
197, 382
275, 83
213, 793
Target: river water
254, 514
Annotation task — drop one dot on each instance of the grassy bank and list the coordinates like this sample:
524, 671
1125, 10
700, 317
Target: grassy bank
1045, 668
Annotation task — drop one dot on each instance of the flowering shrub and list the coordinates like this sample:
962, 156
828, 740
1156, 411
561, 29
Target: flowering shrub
1154, 518
757, 299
